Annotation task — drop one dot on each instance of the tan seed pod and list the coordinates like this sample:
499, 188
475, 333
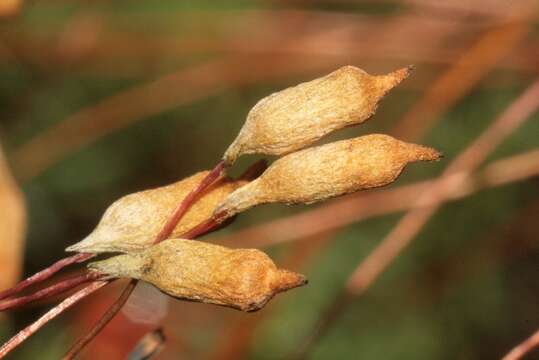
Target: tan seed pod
327, 171
244, 279
293, 118
133, 222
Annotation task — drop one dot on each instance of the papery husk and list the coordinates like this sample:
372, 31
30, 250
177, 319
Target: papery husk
132, 223
296, 117
326, 171
244, 279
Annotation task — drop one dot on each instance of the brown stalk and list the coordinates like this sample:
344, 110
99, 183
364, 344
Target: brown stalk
52, 290
45, 274
51, 314
519, 351
452, 85
102, 322
412, 222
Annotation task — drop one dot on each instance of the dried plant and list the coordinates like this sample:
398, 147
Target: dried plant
153, 227
298, 116
245, 279
133, 222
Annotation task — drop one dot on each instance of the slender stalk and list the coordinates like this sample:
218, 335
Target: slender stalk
206, 226
523, 348
189, 200
51, 314
52, 290
45, 274
102, 322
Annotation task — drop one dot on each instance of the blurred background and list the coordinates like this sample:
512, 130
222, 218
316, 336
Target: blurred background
99, 99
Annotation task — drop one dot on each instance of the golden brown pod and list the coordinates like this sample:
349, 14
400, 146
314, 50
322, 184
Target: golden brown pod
244, 279
293, 118
327, 171
133, 222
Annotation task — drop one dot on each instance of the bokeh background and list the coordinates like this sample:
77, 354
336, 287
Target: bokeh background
99, 99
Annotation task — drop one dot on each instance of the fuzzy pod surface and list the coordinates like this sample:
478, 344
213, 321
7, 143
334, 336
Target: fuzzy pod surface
244, 279
294, 118
132, 223
326, 171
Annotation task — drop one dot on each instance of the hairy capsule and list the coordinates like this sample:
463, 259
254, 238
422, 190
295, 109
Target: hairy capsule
133, 222
326, 171
294, 118
244, 279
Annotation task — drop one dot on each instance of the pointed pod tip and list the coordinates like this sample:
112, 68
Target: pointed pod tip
78, 247
424, 153
387, 82
288, 280
401, 74
85, 245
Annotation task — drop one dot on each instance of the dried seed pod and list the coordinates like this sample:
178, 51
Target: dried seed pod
291, 119
245, 279
132, 222
327, 171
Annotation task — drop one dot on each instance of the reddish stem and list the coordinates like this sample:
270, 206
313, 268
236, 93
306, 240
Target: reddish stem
205, 226
45, 274
52, 290
103, 321
51, 314
189, 200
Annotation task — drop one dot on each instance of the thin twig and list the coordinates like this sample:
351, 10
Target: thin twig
452, 86
454, 175
52, 290
523, 348
51, 314
103, 321
45, 274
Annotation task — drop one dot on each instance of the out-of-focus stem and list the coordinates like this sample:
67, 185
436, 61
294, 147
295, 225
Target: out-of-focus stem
523, 348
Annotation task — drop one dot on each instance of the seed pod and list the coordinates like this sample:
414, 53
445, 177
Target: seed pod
327, 171
133, 222
291, 119
244, 279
